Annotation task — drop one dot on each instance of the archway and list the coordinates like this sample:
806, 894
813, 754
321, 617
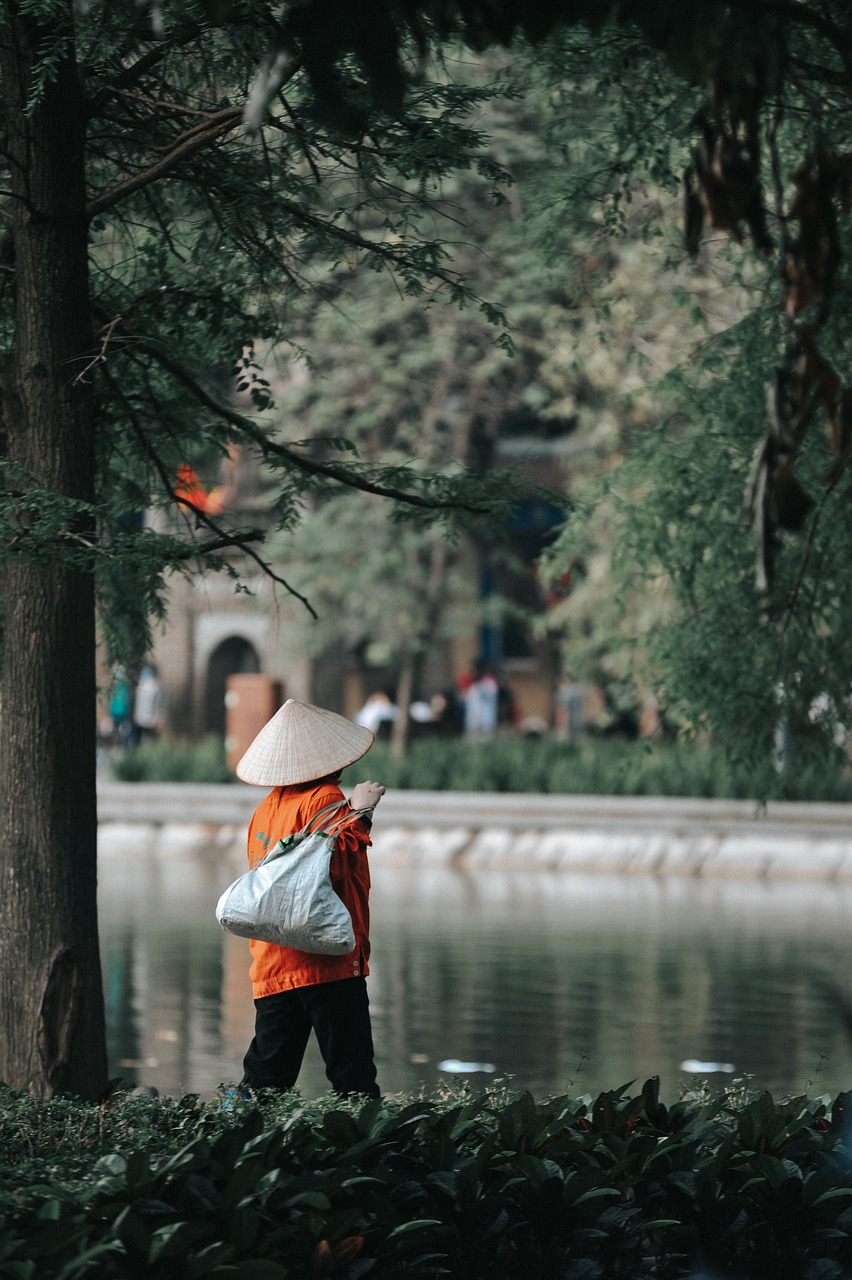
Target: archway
234, 656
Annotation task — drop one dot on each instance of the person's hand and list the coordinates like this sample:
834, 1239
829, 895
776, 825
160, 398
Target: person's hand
366, 795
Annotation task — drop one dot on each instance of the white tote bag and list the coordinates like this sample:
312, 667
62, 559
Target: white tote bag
288, 898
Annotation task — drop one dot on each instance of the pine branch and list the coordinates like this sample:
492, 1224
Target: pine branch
222, 539
193, 140
802, 15
160, 104
133, 73
309, 466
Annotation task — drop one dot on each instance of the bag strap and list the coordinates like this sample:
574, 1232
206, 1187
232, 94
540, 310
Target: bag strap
335, 828
315, 822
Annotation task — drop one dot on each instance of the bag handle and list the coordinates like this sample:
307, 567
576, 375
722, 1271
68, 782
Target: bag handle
315, 822
311, 827
335, 828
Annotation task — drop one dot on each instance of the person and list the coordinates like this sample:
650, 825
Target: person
570, 709
481, 702
378, 714
447, 714
121, 706
149, 710
300, 753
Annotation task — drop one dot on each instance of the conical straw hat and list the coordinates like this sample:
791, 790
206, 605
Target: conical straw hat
302, 742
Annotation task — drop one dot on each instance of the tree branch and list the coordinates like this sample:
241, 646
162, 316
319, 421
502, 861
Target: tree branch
160, 104
825, 75
193, 140
132, 74
222, 539
802, 15
287, 454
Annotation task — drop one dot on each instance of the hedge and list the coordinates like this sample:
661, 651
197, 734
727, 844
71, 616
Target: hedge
497, 1185
596, 766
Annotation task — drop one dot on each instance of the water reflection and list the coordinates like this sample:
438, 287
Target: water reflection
562, 982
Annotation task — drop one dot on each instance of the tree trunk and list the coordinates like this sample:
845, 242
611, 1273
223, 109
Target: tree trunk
412, 663
404, 690
52, 1035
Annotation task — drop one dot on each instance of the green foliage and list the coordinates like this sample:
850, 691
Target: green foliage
172, 761
491, 1185
617, 117
202, 242
588, 317
732, 612
729, 659
399, 589
597, 766
603, 766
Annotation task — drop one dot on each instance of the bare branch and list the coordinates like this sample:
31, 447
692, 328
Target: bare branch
824, 75
271, 448
107, 331
299, 132
234, 539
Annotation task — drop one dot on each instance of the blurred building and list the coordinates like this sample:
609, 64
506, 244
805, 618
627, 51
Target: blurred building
214, 633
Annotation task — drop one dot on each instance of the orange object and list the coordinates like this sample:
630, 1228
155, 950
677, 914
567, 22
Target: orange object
251, 699
327, 1257
283, 811
190, 489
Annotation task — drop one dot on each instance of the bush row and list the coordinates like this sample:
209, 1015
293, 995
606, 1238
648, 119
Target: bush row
601, 766
593, 767
171, 760
496, 1186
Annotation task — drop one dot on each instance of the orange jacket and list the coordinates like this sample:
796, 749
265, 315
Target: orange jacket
285, 810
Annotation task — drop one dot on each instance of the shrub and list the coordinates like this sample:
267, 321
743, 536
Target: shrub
598, 766
595, 766
172, 760
494, 1185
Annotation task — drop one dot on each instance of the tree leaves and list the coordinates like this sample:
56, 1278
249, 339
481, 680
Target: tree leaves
202, 237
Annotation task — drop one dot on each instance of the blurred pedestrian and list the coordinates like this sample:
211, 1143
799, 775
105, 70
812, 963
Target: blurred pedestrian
149, 710
481, 700
378, 714
570, 710
447, 714
121, 706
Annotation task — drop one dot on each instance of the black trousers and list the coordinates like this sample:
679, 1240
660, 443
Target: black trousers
339, 1015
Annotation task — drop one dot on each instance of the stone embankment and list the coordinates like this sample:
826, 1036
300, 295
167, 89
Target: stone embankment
607, 834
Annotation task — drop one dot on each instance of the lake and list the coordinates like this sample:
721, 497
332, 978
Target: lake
557, 982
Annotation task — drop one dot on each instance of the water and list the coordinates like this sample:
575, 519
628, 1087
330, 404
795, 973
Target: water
561, 983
